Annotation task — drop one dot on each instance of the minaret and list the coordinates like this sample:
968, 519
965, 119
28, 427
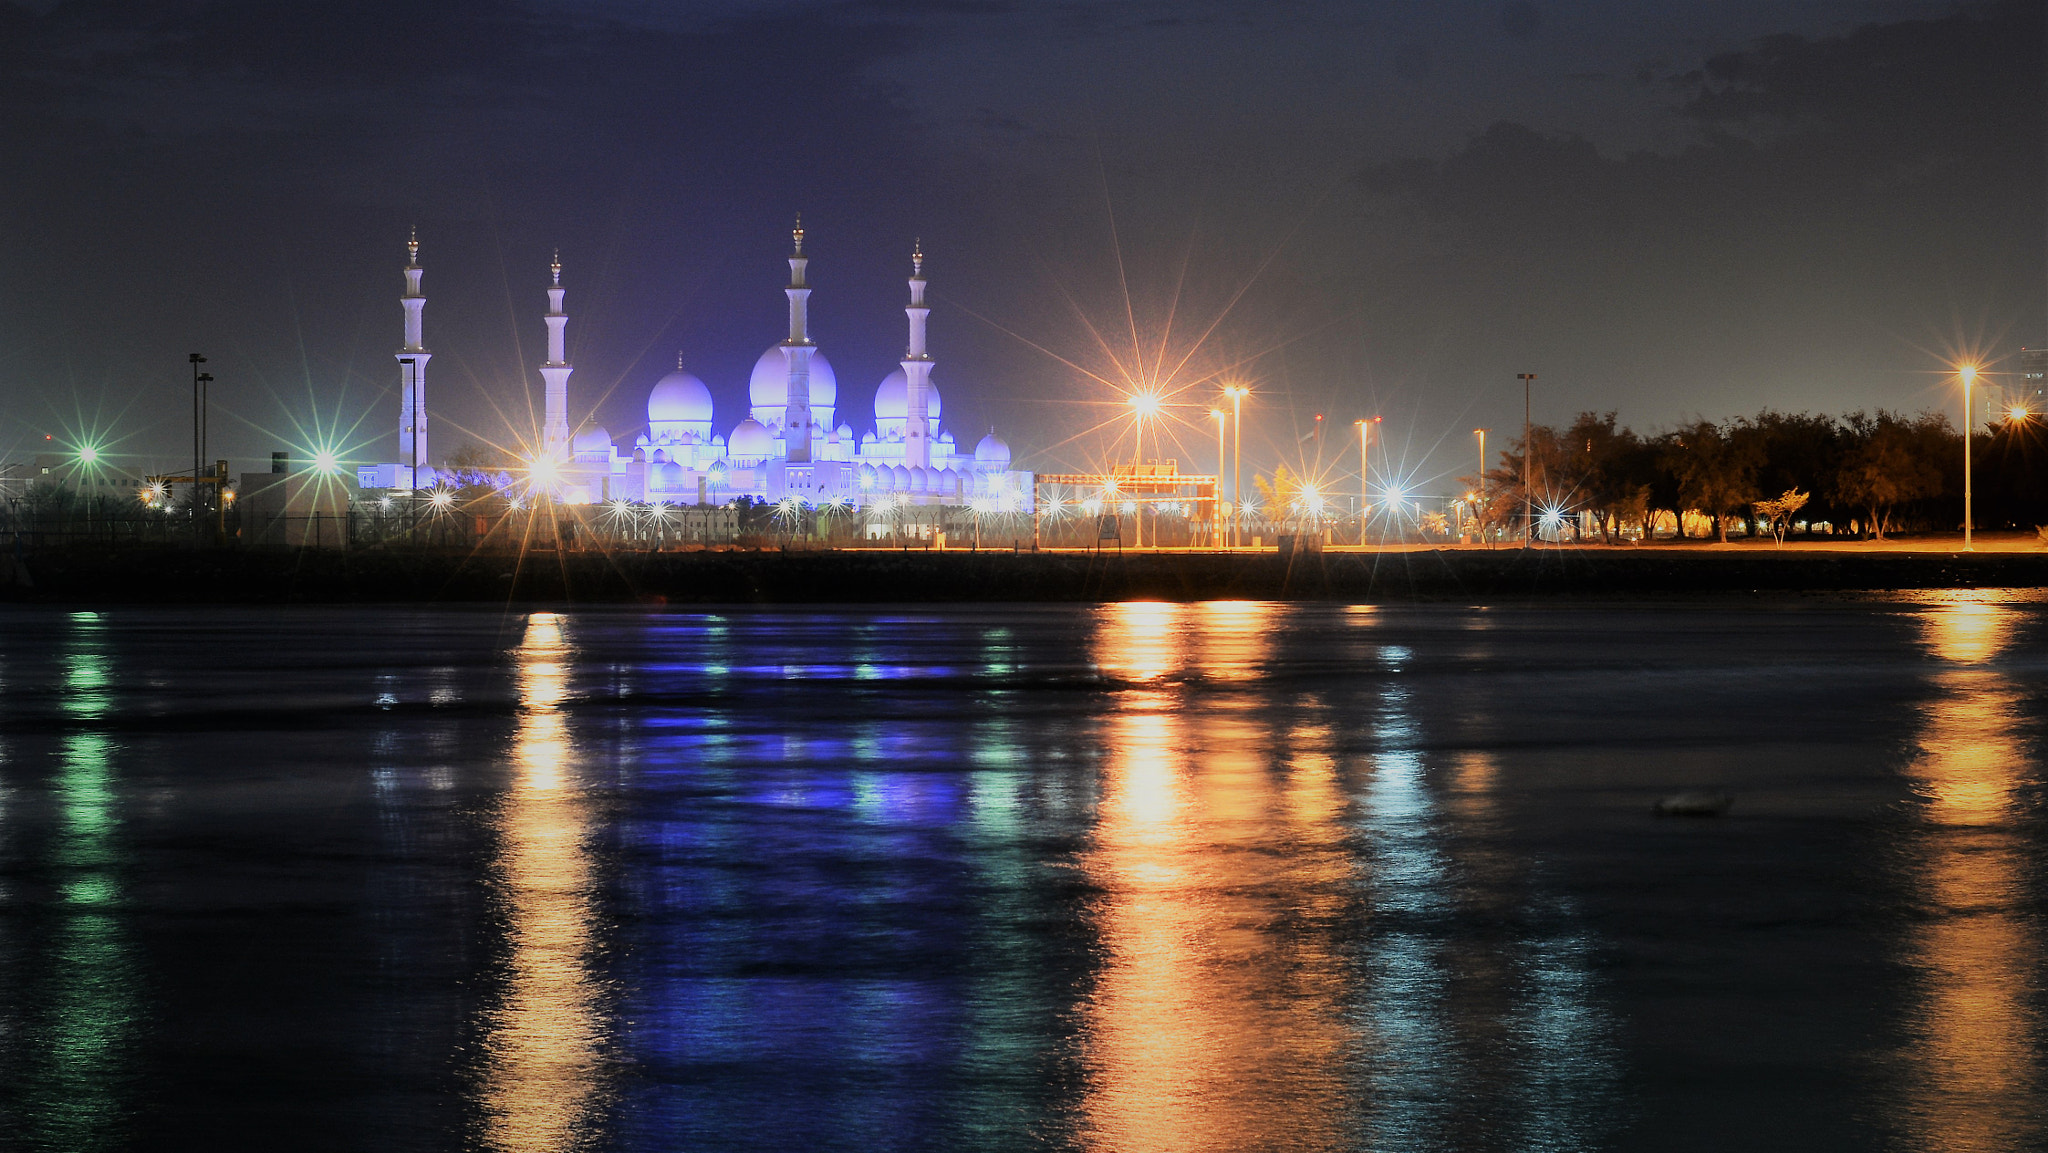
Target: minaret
917, 371
796, 353
412, 378
555, 433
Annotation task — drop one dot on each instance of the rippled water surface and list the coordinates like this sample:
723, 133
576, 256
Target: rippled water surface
1133, 877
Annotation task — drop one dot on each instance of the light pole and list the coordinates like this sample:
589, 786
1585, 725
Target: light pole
1969, 374
1481, 434
196, 360
1364, 474
1145, 405
1236, 393
1216, 505
1528, 492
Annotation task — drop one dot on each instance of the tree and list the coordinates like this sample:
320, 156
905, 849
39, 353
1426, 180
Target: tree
1777, 513
1716, 470
1889, 461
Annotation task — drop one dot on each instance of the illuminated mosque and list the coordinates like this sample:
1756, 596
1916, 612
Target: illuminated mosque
792, 444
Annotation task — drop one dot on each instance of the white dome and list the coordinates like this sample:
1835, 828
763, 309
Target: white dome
679, 396
902, 476
591, 438
671, 475
992, 450
892, 398
769, 386
752, 440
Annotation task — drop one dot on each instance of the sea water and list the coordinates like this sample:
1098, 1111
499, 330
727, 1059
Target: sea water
1138, 876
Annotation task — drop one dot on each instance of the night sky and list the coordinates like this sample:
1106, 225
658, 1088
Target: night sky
1362, 208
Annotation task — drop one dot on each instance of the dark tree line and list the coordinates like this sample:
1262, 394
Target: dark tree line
1865, 473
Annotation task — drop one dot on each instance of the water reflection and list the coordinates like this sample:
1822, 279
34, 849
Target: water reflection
1214, 1021
92, 1006
1971, 1068
543, 1047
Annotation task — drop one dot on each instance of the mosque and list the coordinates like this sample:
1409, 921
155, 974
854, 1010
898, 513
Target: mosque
793, 442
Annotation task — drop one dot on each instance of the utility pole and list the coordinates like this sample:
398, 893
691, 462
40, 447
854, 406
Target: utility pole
1528, 492
198, 450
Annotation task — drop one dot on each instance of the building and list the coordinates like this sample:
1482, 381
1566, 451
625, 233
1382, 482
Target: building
2029, 390
793, 443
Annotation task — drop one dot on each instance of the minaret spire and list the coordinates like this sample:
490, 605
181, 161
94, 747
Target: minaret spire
917, 371
555, 429
796, 354
412, 372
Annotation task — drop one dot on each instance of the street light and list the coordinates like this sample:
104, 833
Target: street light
1481, 434
1364, 474
1236, 393
1969, 374
1145, 405
1216, 505
1528, 491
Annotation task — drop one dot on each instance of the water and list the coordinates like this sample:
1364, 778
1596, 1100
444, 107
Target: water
1130, 877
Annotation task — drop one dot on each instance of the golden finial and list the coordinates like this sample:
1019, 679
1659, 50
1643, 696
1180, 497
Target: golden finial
917, 257
679, 360
412, 247
556, 267
798, 234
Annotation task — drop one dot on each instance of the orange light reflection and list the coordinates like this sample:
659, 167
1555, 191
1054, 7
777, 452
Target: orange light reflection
1213, 1024
1972, 1070
543, 1042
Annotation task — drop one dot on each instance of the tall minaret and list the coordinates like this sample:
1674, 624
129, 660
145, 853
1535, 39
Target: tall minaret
555, 433
796, 353
412, 378
917, 371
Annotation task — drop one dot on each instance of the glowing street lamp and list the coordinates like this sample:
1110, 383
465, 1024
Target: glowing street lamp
1216, 506
1237, 393
1364, 474
88, 455
2016, 413
1146, 406
1969, 374
325, 461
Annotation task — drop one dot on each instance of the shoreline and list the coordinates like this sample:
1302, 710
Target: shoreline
131, 575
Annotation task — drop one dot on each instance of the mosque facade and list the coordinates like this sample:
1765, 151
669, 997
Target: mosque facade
794, 442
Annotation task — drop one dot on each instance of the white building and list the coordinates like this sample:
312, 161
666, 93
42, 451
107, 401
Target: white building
793, 442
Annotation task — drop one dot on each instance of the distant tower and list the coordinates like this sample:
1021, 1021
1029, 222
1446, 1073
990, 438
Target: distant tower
555, 433
412, 378
796, 353
917, 371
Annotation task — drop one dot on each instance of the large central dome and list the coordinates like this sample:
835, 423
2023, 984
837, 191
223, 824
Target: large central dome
769, 386
892, 399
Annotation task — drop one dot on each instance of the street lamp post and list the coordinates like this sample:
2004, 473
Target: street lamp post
1145, 405
1237, 392
1969, 375
197, 451
1528, 491
1481, 489
1216, 504
1364, 474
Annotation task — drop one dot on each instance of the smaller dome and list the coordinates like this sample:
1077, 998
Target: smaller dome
661, 456
752, 440
918, 482
679, 396
901, 476
591, 438
992, 451
949, 481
